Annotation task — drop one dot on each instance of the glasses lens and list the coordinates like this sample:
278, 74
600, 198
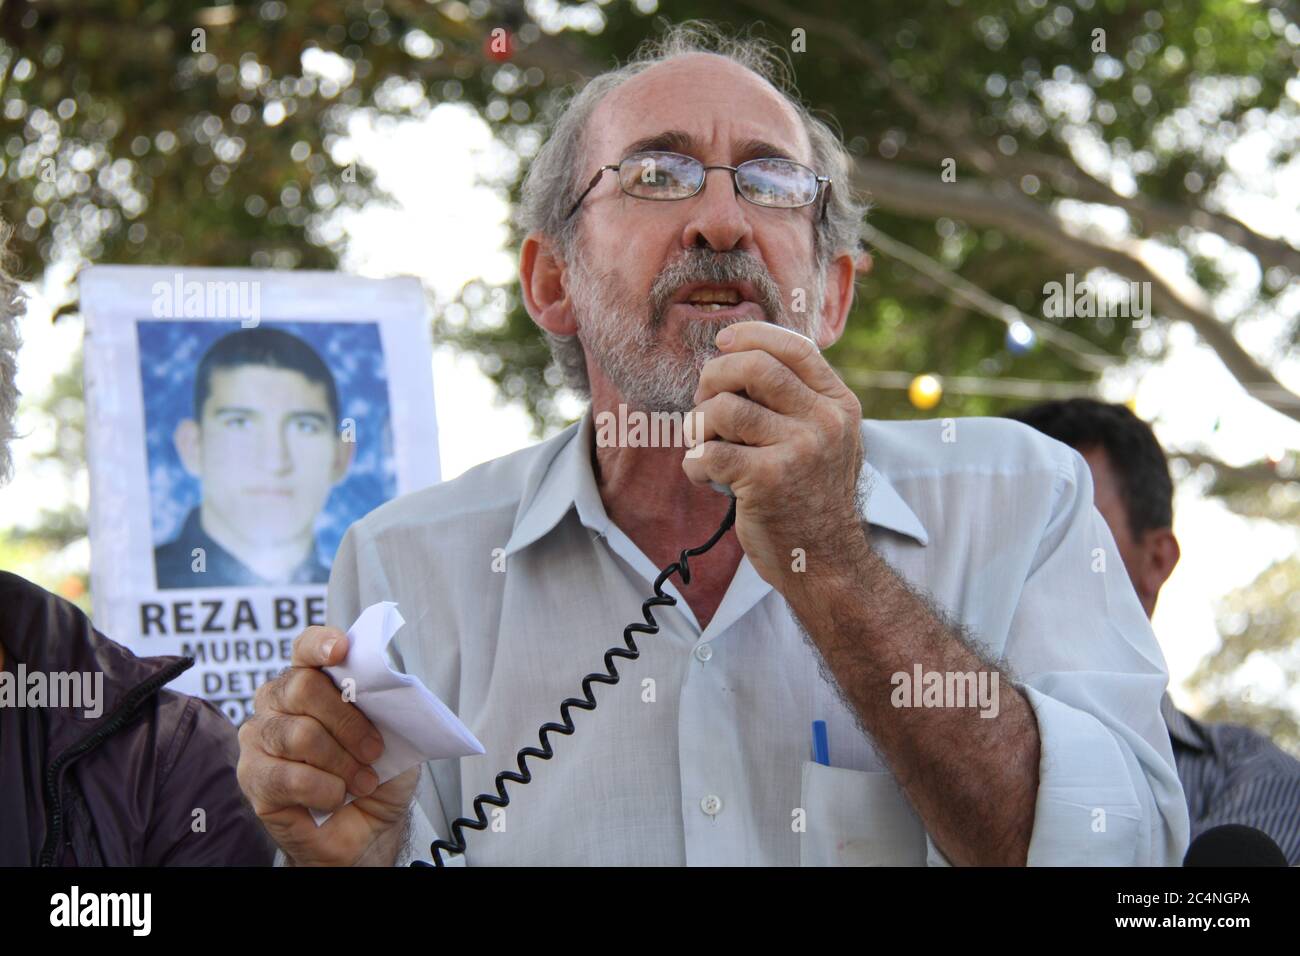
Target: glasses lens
776, 182
655, 175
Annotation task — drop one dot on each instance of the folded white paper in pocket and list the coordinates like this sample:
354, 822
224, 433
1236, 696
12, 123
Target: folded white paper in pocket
415, 724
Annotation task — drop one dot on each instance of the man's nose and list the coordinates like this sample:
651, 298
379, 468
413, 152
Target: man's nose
274, 451
717, 218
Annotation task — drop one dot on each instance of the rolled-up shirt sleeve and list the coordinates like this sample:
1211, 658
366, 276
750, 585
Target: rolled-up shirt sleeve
1082, 652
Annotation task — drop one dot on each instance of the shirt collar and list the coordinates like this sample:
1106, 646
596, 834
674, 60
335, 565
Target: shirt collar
228, 569
565, 479
885, 507
1182, 728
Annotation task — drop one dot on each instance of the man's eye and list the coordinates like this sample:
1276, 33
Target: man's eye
307, 426
236, 421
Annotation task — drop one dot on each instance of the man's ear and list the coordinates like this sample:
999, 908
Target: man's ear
839, 299
344, 453
1161, 554
188, 440
541, 279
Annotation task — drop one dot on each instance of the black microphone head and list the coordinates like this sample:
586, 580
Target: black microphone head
1234, 844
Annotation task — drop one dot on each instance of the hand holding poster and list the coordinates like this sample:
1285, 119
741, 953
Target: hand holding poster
237, 423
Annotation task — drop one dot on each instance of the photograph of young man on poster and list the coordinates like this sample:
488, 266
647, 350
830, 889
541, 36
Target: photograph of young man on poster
265, 445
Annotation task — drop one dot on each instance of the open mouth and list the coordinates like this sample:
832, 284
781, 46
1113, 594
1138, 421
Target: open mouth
714, 298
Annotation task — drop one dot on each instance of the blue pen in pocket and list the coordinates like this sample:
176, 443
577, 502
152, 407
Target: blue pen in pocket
821, 746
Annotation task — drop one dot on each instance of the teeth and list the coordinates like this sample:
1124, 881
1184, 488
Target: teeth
708, 296
709, 306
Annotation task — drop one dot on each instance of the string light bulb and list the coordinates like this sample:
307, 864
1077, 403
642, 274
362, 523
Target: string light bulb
925, 392
1020, 337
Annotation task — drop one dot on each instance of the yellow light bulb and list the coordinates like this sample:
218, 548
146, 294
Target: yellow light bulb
925, 392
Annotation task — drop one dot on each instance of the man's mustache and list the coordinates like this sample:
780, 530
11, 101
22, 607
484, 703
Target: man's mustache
717, 268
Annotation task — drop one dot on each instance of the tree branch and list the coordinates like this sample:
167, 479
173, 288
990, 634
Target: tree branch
1253, 476
958, 135
1001, 206
953, 128
1155, 215
1076, 350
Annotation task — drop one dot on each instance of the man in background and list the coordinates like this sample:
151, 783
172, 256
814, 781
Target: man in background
1230, 774
265, 446
64, 800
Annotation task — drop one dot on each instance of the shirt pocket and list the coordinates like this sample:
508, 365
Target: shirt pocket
857, 818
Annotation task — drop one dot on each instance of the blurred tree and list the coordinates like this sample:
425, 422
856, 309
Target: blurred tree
52, 540
1088, 137
1259, 622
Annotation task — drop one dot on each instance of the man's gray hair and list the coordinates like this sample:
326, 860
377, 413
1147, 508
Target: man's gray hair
561, 168
11, 306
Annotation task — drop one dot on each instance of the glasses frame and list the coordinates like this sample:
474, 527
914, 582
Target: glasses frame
822, 181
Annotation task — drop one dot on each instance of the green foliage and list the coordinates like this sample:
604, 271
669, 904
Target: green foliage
1259, 624
131, 144
125, 139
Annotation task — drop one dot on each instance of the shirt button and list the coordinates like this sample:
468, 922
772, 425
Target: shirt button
711, 805
704, 653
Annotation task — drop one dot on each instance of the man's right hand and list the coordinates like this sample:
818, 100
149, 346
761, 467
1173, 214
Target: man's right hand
305, 746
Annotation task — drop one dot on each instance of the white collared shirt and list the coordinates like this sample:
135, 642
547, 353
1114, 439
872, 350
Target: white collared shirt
513, 583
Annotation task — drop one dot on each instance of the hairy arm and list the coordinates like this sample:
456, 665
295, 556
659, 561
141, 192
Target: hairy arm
784, 432
972, 779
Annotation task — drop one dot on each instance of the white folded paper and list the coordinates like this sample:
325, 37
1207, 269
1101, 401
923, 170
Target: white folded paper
415, 724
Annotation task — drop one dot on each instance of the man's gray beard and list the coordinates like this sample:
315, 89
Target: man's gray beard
625, 338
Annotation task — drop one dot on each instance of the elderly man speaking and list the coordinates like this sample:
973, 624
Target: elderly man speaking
939, 597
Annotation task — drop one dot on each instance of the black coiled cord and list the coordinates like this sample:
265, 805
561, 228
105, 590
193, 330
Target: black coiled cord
587, 701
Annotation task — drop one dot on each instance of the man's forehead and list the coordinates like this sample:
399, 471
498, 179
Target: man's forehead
256, 384
715, 101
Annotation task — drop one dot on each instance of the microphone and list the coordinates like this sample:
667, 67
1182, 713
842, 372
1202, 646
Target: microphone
718, 486
1234, 844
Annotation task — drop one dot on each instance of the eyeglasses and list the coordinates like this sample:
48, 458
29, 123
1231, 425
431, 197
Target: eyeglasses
664, 177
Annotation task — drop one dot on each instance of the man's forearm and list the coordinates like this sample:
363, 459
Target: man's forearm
973, 780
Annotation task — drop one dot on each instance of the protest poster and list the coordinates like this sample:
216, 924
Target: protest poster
237, 422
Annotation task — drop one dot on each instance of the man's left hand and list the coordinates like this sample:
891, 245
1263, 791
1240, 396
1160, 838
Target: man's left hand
778, 425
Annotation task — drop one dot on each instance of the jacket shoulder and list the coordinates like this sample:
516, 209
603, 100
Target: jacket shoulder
197, 754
